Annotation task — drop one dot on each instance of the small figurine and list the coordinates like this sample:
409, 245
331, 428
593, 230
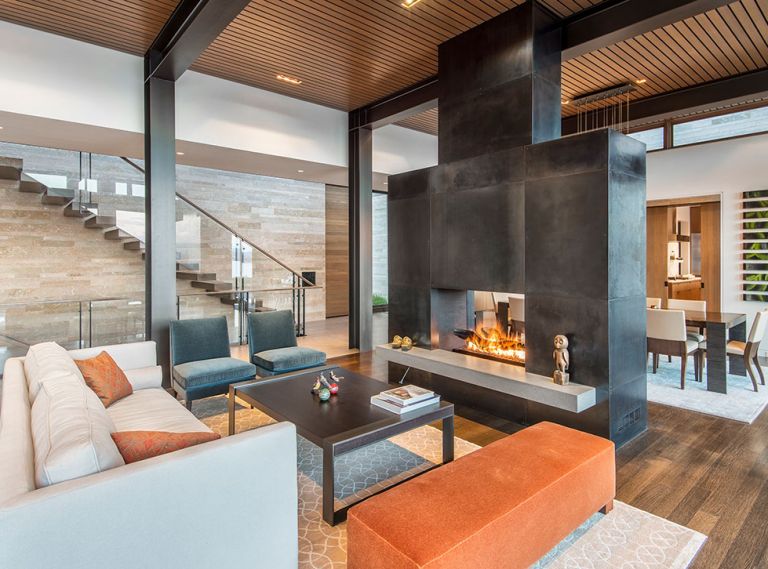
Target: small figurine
562, 360
334, 388
397, 342
317, 387
407, 344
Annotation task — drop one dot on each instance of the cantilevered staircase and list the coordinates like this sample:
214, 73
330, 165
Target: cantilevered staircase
12, 169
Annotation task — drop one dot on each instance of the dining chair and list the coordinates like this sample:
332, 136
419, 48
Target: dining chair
749, 349
516, 314
693, 306
652, 302
667, 335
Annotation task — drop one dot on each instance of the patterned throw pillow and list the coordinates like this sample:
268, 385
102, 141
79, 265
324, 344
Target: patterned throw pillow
105, 377
140, 445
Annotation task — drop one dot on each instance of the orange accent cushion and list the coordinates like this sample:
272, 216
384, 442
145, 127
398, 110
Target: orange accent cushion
501, 507
105, 377
140, 445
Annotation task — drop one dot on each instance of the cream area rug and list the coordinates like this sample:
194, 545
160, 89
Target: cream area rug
741, 403
627, 538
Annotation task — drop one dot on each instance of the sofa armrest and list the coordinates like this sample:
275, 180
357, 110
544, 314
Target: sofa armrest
183, 509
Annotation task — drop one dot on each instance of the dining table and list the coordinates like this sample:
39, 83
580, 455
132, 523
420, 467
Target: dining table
721, 327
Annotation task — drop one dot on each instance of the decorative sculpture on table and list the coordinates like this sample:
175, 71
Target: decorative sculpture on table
562, 360
324, 387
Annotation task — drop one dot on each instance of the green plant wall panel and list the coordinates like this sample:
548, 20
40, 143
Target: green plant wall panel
755, 245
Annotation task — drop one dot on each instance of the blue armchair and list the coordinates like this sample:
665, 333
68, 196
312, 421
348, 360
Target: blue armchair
273, 347
201, 360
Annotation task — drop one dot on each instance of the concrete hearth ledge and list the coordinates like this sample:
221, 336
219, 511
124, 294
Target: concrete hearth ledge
497, 376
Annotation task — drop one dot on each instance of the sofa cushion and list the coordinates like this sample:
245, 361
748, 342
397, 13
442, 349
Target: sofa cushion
71, 433
141, 445
213, 371
105, 378
153, 410
289, 359
47, 361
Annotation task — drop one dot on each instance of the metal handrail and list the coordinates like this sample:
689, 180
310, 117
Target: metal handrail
236, 291
227, 227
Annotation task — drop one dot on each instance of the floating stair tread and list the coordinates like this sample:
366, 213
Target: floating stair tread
48, 199
117, 235
29, 185
100, 221
10, 168
71, 211
212, 286
194, 275
133, 245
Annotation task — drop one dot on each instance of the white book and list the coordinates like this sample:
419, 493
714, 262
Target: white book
407, 395
393, 407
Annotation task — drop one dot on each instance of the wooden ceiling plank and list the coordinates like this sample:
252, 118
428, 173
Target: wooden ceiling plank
696, 49
739, 43
715, 53
742, 26
684, 52
706, 23
301, 58
277, 40
681, 61
322, 32
657, 61
758, 19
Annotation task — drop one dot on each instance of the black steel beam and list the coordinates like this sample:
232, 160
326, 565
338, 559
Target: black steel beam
608, 23
611, 22
360, 236
192, 27
160, 215
735, 89
410, 101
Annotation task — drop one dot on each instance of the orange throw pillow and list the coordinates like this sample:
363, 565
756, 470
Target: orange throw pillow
140, 445
105, 377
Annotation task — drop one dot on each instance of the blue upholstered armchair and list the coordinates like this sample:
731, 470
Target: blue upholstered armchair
201, 361
273, 347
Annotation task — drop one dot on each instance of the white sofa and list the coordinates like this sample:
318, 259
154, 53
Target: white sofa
219, 504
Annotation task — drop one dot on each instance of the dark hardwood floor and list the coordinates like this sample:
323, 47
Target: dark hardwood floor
703, 472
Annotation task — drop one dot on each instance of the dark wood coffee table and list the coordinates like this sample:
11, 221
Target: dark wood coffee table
346, 422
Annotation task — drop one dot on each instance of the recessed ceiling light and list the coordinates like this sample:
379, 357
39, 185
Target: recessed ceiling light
565, 101
641, 81
291, 80
1, 128
300, 171
179, 154
409, 3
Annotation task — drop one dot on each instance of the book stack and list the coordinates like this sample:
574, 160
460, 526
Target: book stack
404, 399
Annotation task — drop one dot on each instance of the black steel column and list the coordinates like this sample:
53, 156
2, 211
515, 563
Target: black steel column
360, 235
160, 215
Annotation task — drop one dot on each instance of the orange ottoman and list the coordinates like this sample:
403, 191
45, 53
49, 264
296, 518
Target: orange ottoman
503, 506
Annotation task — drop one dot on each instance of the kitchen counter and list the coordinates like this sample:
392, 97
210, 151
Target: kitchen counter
686, 289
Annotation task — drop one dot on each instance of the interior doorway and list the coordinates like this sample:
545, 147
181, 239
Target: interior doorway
683, 250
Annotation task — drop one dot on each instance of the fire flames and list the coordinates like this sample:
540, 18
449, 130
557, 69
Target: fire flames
492, 342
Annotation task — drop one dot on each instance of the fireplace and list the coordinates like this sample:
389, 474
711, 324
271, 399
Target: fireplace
493, 344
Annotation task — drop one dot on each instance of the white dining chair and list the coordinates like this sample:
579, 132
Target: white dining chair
652, 302
692, 306
667, 335
749, 349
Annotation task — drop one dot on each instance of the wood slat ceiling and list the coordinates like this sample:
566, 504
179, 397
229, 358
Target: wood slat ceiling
346, 53
720, 43
124, 25
349, 53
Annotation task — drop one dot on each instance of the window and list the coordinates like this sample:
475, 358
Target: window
137, 190
749, 121
121, 189
653, 138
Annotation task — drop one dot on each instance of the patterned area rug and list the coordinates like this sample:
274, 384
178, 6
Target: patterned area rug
741, 403
626, 538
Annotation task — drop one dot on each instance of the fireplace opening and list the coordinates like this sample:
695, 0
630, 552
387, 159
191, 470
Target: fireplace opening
492, 344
